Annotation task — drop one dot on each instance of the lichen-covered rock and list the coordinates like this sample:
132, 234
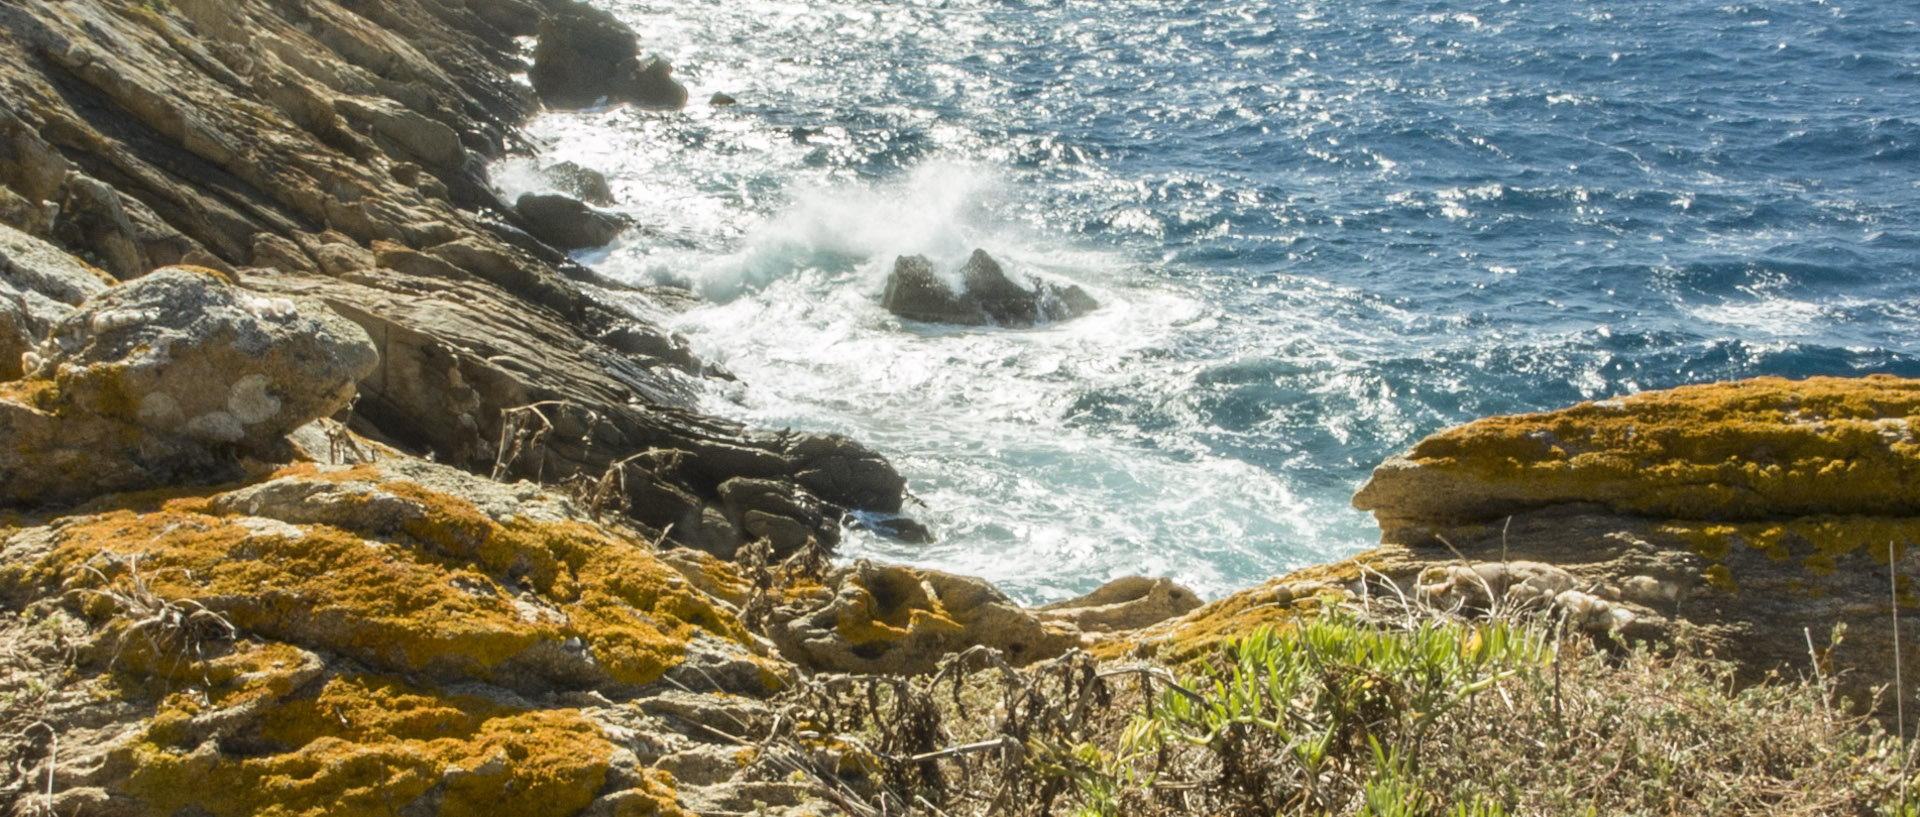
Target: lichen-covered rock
1751, 450
39, 285
585, 55
1126, 603
987, 296
167, 380
881, 619
1758, 512
396, 635
183, 352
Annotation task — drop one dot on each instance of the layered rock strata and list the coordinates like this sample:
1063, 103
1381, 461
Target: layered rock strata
336, 151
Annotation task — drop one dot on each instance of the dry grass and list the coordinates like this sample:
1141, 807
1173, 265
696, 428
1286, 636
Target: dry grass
1358, 713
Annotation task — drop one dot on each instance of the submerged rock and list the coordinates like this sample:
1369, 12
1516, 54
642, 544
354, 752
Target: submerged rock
914, 291
586, 55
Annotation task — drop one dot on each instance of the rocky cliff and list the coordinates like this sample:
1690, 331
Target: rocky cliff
328, 487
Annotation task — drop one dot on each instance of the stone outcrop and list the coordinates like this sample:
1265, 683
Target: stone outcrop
987, 296
39, 285
336, 152
586, 57
167, 379
1757, 514
473, 646
1124, 604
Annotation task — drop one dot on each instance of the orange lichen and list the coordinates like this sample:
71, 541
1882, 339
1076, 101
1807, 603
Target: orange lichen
454, 595
1755, 449
1818, 542
1280, 603
893, 605
367, 745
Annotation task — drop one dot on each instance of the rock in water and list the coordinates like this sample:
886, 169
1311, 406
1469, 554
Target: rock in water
583, 183
586, 55
916, 292
566, 223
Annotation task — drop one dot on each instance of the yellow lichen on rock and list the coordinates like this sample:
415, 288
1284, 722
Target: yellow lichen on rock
1754, 449
452, 594
373, 745
1279, 603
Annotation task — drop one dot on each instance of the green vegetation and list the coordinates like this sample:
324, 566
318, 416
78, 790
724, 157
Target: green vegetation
1350, 713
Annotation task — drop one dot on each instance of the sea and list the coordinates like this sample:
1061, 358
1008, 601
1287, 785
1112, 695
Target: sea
1320, 230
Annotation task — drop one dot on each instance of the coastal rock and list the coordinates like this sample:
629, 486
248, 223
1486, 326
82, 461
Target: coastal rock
166, 380
566, 223
39, 286
891, 619
1127, 603
1756, 514
585, 56
914, 291
460, 640
183, 352
583, 183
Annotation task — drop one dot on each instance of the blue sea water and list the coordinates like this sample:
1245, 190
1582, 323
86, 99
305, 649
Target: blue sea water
1321, 231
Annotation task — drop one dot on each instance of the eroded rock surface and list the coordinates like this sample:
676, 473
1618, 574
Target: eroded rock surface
881, 619
167, 379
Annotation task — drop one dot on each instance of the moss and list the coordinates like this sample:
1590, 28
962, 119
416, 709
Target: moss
372, 745
1754, 449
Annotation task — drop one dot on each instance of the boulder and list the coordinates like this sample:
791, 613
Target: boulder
583, 183
566, 223
166, 379
184, 352
914, 291
585, 56
890, 619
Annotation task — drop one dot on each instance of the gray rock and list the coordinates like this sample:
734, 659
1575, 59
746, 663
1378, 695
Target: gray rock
184, 352
567, 224
988, 296
586, 55
583, 183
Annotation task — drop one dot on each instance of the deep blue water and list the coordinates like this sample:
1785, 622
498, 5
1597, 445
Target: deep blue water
1323, 230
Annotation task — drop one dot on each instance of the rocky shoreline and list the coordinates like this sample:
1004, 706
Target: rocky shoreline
330, 485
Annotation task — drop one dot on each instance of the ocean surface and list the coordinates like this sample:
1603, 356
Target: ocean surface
1320, 231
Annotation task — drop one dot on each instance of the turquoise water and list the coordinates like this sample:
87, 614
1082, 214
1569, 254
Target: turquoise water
1321, 232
